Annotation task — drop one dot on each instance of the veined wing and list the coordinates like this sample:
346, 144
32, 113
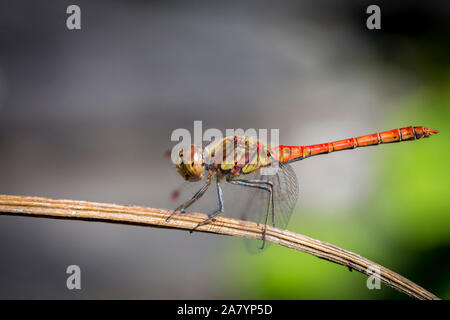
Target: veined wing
285, 195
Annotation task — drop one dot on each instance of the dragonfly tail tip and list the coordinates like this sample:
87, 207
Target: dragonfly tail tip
429, 131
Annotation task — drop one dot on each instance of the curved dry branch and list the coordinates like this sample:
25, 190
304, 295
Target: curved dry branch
71, 209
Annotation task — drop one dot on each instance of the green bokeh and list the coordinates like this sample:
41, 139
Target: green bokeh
403, 225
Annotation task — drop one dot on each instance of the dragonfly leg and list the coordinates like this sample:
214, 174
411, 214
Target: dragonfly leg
263, 185
270, 185
194, 198
270, 199
216, 212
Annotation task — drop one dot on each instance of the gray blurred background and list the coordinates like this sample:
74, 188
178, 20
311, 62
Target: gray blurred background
88, 115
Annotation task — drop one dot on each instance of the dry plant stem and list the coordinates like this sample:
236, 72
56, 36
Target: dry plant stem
70, 209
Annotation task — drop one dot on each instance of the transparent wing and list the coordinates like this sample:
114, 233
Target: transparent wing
285, 195
248, 203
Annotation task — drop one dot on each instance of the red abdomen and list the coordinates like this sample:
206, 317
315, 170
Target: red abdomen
294, 153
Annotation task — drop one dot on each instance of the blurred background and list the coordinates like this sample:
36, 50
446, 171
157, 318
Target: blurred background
88, 115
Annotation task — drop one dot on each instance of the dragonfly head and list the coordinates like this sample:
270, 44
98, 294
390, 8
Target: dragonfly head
190, 163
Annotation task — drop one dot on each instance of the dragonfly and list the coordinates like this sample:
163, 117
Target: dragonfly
243, 161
